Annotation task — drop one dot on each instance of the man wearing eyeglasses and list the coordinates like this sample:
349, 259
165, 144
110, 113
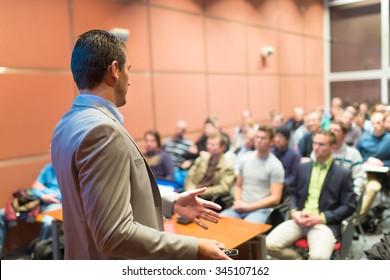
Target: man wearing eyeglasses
321, 198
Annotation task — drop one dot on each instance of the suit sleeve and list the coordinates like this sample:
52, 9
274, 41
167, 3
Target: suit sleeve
290, 179
347, 201
104, 164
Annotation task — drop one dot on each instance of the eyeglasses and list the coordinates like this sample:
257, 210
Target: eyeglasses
319, 144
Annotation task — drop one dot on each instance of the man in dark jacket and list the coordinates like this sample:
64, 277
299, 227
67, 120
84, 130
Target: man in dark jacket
321, 198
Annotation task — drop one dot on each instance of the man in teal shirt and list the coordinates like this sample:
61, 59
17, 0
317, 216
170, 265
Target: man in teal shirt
322, 197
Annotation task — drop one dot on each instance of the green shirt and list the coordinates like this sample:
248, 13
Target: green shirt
317, 179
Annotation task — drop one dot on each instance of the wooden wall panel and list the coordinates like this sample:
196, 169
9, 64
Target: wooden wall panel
106, 15
30, 107
192, 6
226, 9
291, 15
264, 96
138, 111
225, 46
34, 34
228, 98
180, 97
263, 13
291, 54
171, 54
292, 92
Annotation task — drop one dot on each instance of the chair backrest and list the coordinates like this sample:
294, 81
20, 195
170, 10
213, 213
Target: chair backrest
225, 201
278, 215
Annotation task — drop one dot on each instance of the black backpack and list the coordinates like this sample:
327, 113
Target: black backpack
43, 250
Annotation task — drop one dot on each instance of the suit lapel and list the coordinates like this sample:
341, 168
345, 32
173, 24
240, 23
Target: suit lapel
155, 189
307, 179
327, 180
152, 179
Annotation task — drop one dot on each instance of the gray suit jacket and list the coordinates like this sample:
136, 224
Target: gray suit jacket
112, 207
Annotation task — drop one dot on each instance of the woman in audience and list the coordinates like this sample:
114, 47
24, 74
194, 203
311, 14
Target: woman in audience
160, 162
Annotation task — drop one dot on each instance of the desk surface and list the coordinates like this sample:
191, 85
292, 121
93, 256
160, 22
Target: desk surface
56, 214
230, 231
376, 169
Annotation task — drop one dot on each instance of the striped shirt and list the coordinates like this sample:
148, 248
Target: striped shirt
350, 158
177, 148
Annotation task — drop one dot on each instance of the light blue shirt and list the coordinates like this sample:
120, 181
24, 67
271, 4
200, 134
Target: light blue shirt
48, 178
85, 99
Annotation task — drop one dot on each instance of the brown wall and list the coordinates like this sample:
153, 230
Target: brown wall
190, 58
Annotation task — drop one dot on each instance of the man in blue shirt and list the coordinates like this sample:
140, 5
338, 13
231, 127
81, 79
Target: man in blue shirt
289, 158
46, 189
375, 150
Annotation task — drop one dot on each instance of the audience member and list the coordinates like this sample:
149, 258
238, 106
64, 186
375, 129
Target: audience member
212, 169
305, 145
336, 109
359, 121
379, 107
272, 113
348, 157
177, 146
321, 198
365, 113
249, 146
224, 134
259, 184
353, 131
159, 161
387, 122
211, 126
375, 150
296, 120
277, 120
46, 189
200, 146
363, 109
299, 133
351, 109
247, 124
289, 158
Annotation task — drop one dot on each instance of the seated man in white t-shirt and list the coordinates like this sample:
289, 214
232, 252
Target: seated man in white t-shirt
259, 184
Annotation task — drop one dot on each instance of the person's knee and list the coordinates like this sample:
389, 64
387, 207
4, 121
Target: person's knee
254, 219
272, 244
319, 255
230, 212
373, 186
273, 247
46, 221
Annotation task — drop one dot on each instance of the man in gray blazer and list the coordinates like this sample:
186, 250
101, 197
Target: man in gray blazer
112, 207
